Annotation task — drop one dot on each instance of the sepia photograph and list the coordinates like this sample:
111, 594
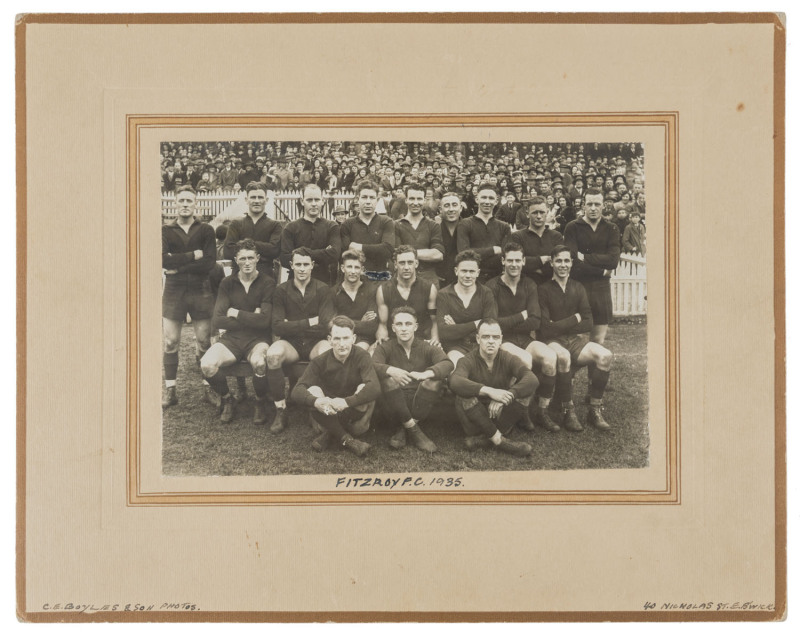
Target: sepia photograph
394, 307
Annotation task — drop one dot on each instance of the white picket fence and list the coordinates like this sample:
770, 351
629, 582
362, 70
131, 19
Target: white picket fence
629, 286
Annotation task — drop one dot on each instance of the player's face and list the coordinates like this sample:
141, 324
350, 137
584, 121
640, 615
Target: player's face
513, 262
593, 207
562, 265
186, 203
247, 261
312, 202
341, 340
301, 267
406, 265
489, 339
352, 270
414, 199
467, 272
404, 326
256, 201
537, 214
451, 208
367, 200
487, 199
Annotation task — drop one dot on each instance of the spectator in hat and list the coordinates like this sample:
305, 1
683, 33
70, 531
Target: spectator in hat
633, 239
339, 214
509, 210
227, 177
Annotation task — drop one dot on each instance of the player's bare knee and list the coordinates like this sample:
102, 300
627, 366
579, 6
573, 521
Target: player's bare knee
604, 359
548, 364
274, 359
209, 366
563, 361
171, 345
259, 365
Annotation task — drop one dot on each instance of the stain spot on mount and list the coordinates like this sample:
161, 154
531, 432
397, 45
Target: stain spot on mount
740, 107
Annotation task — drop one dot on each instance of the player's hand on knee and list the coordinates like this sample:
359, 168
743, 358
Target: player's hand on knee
495, 409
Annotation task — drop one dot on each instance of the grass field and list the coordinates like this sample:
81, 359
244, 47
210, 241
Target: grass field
196, 443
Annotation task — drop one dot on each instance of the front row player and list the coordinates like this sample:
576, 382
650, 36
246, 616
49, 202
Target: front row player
411, 371
519, 315
244, 311
493, 389
566, 324
340, 386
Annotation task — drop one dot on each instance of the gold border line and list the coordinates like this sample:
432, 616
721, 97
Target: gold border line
136, 497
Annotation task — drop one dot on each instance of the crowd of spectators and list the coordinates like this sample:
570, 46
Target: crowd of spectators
559, 172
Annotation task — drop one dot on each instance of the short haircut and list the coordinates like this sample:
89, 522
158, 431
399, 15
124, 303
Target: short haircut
512, 246
307, 185
536, 200
451, 193
185, 188
560, 248
489, 321
403, 309
352, 254
593, 191
484, 186
248, 244
467, 255
221, 232
366, 184
416, 186
341, 321
404, 248
635, 214
254, 185
302, 251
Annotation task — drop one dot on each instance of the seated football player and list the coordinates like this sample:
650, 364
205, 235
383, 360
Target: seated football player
411, 372
244, 310
354, 297
340, 386
407, 289
566, 328
519, 316
493, 389
301, 310
460, 307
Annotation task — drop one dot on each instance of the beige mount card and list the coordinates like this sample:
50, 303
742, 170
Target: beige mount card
681, 517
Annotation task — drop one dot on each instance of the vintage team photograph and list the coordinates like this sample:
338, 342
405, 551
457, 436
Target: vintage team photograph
335, 307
